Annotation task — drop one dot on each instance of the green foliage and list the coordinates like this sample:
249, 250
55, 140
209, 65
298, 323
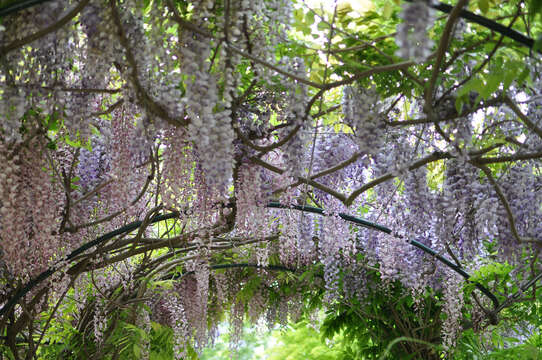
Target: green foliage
383, 317
535, 8
129, 340
301, 341
161, 342
252, 346
498, 347
504, 71
495, 276
123, 339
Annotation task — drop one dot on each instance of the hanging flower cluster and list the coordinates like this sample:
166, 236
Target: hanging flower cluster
361, 110
251, 215
94, 164
296, 98
134, 109
453, 303
178, 167
210, 123
127, 178
331, 150
29, 234
12, 108
171, 309
412, 32
296, 239
335, 247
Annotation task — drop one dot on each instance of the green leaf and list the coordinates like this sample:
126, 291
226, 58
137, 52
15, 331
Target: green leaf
535, 8
298, 15
137, 351
538, 43
75, 144
273, 120
164, 284
52, 123
322, 26
483, 5
306, 275
309, 18
474, 84
343, 8
51, 145
492, 84
146, 4
387, 11
509, 76
523, 76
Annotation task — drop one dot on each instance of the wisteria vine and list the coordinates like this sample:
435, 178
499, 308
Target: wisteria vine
166, 164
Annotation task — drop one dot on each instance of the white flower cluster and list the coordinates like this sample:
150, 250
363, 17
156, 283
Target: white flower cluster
412, 32
100, 321
101, 46
77, 111
94, 51
18, 26
179, 324
486, 216
418, 200
361, 110
177, 169
453, 303
143, 321
257, 27
12, 108
390, 249
335, 248
210, 123
296, 99
251, 212
296, 246
237, 33
52, 58
155, 61
305, 244
287, 238
279, 17
28, 239
201, 272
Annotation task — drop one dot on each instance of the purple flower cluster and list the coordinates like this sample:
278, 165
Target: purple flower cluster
306, 250
288, 238
251, 217
521, 186
94, 165
462, 191
330, 150
201, 273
